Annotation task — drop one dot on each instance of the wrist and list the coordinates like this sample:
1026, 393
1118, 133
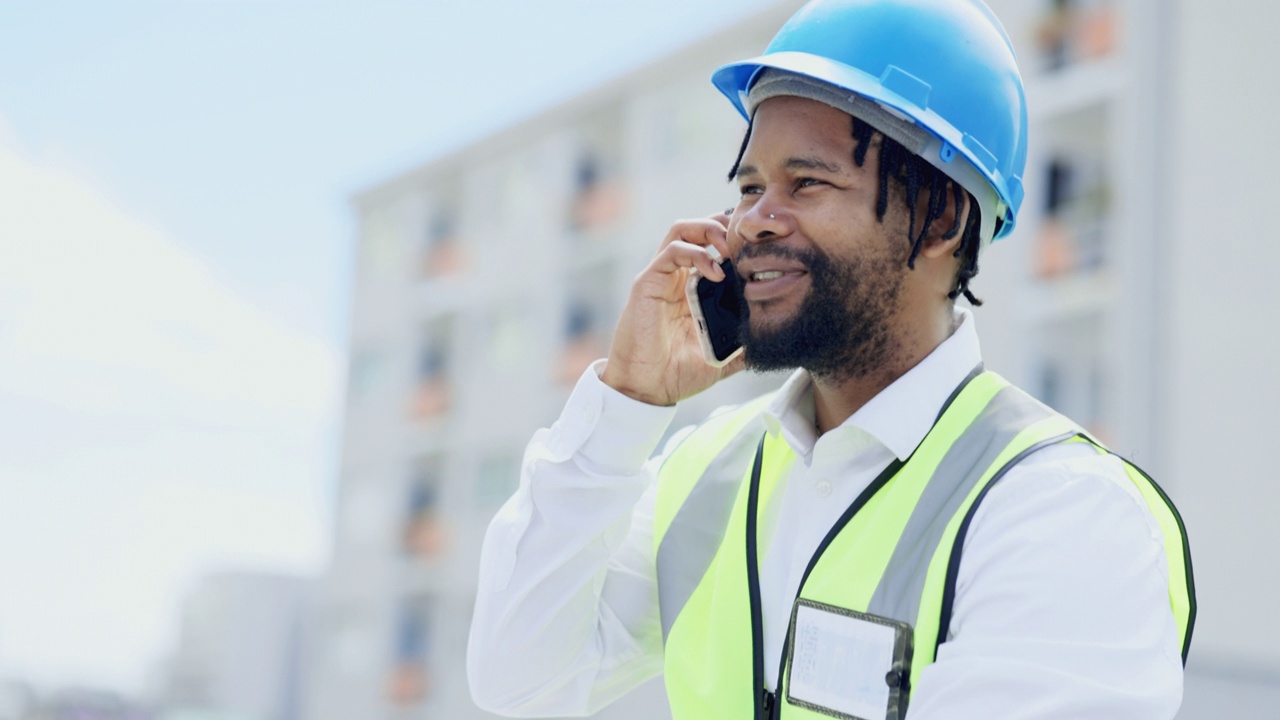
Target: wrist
619, 382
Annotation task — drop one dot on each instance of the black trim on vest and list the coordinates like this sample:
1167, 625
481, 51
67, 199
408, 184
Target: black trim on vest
881, 480
1186, 549
957, 546
770, 704
975, 372
762, 703
953, 563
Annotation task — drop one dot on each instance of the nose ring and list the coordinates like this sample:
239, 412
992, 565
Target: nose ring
771, 216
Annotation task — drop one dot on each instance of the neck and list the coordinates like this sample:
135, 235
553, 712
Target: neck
835, 399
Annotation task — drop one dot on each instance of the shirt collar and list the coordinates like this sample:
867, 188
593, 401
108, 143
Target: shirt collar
901, 414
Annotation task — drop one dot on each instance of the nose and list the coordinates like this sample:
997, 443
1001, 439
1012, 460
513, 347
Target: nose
761, 222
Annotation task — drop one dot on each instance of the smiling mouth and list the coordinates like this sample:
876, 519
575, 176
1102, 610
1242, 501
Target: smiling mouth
767, 286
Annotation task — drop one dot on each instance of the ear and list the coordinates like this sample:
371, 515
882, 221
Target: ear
946, 232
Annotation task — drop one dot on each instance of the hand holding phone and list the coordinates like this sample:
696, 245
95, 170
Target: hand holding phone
717, 314
658, 356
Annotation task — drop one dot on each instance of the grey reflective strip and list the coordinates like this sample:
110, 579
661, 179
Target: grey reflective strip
1009, 413
694, 536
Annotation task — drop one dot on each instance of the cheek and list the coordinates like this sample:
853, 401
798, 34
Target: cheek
862, 235
839, 234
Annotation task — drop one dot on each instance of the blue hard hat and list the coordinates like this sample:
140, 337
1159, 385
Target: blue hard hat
938, 73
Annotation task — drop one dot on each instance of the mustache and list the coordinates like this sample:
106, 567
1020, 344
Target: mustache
806, 256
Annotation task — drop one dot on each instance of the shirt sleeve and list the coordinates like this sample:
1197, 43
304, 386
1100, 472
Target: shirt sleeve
566, 615
1062, 602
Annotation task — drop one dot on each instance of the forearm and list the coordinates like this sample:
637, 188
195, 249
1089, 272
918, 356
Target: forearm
566, 616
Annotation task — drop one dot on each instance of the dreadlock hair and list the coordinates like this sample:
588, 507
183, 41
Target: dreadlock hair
914, 173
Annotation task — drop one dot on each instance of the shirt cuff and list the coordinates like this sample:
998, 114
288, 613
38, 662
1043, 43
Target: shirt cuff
612, 433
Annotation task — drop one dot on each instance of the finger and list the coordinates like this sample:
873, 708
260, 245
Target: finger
702, 231
680, 254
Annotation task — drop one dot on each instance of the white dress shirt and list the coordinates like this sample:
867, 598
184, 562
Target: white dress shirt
1061, 607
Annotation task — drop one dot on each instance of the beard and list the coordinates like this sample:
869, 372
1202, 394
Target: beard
841, 330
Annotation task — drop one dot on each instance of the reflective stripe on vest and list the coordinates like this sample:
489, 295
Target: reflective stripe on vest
894, 553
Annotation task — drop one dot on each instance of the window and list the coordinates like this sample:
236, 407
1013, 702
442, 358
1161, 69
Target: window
410, 680
432, 394
424, 531
1071, 31
1072, 237
588, 321
442, 252
599, 198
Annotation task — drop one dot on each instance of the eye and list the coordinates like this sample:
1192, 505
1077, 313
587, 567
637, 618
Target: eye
750, 189
808, 182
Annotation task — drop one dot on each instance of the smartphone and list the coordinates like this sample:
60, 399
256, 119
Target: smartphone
717, 313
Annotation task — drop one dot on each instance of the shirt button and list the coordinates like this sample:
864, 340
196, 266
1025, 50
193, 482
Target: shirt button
823, 487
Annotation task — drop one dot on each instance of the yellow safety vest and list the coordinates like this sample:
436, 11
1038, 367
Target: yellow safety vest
894, 553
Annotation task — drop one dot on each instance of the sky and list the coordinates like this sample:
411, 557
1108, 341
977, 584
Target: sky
176, 243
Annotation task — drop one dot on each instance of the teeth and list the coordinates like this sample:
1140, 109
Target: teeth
768, 275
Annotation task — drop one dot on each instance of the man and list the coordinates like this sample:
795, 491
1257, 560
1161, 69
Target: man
893, 526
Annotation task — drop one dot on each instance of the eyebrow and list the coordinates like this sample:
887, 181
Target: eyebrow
796, 163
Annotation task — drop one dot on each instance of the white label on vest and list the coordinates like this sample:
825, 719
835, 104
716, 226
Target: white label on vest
839, 663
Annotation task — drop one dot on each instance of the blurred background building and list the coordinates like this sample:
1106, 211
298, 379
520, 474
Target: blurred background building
18, 702
489, 278
241, 648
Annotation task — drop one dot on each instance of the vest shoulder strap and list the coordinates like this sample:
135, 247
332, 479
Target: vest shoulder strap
694, 454
1059, 429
